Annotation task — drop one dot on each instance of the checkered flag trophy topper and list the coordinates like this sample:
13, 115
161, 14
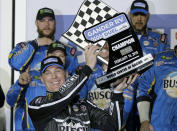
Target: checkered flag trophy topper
90, 13
95, 22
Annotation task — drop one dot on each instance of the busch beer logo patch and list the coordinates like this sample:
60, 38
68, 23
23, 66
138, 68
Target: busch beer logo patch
71, 124
170, 84
100, 97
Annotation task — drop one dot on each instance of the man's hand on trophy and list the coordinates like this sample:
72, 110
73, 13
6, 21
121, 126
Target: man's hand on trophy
124, 83
104, 53
90, 55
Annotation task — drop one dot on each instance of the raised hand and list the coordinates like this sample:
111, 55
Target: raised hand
91, 55
146, 126
44, 41
122, 84
25, 77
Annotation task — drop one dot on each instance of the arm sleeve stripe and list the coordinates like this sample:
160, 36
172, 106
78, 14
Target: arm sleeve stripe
27, 61
118, 114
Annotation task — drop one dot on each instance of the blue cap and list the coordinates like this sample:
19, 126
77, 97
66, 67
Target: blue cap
50, 61
139, 6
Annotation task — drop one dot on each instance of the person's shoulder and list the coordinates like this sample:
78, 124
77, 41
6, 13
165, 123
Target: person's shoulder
24, 43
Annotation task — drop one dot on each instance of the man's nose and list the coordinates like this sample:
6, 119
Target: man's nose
46, 22
53, 75
139, 17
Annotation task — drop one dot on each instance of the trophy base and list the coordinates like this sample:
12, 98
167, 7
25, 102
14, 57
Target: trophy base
137, 66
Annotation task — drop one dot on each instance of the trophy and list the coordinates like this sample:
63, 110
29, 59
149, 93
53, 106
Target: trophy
125, 53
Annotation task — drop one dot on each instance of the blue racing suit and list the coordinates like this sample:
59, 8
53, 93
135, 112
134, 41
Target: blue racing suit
162, 79
153, 43
23, 55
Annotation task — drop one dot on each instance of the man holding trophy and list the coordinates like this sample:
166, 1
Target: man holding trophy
125, 53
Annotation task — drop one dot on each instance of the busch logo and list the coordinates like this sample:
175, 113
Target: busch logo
100, 97
68, 83
170, 84
72, 127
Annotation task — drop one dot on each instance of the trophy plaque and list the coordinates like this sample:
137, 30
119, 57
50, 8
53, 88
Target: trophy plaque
96, 23
125, 53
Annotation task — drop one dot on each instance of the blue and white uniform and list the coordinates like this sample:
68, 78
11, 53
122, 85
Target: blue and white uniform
162, 79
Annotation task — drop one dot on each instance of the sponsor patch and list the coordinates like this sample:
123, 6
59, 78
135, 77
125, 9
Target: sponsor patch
20, 51
100, 97
33, 83
22, 45
49, 96
139, 4
95, 69
163, 38
75, 108
146, 43
38, 100
170, 84
68, 84
166, 57
73, 51
159, 63
50, 60
156, 44
83, 108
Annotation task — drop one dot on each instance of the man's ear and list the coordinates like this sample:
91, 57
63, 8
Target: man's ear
41, 79
129, 14
175, 50
36, 22
148, 16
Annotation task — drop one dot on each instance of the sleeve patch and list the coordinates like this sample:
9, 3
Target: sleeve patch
38, 100
22, 44
73, 51
163, 38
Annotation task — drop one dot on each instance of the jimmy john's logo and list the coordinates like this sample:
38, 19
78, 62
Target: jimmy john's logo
170, 84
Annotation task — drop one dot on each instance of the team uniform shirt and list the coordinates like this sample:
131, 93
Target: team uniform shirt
23, 55
162, 79
63, 111
152, 42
